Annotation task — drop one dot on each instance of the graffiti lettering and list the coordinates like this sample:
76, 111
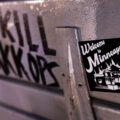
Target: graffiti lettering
17, 59
32, 62
17, 25
4, 63
4, 23
47, 50
47, 66
28, 35
37, 65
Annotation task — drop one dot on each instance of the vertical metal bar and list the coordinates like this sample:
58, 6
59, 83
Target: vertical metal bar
74, 85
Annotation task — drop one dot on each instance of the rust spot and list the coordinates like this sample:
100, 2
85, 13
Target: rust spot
72, 103
80, 85
63, 74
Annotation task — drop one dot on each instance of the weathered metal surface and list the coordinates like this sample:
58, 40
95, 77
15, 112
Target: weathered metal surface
33, 54
106, 110
75, 88
30, 37
36, 101
51, 26
25, 51
11, 115
106, 113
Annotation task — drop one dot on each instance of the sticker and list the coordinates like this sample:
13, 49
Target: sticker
101, 59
